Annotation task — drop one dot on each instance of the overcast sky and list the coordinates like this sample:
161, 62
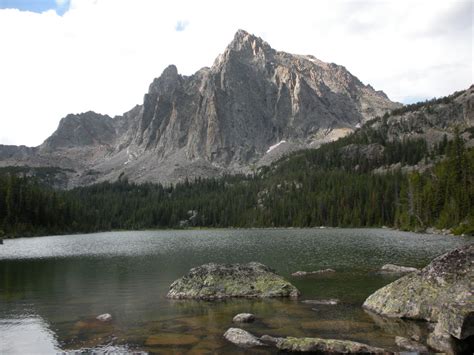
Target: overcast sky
60, 56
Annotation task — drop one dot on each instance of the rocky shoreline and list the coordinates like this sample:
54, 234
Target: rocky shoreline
441, 293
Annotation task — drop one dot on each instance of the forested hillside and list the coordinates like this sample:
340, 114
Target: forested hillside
329, 186
409, 169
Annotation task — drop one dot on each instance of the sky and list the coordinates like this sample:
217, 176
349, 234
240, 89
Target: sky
71, 56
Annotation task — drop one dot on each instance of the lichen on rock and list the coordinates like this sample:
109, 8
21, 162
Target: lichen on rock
446, 281
318, 345
441, 292
217, 281
242, 338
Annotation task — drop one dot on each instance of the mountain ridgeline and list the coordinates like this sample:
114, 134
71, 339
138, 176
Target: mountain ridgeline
410, 169
252, 106
260, 139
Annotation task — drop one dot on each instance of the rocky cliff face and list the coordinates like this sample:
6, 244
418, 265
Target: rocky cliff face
221, 119
432, 120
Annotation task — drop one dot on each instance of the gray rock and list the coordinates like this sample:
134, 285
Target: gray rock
441, 292
106, 317
325, 346
391, 268
269, 340
331, 302
442, 341
242, 338
317, 272
218, 281
410, 345
243, 318
458, 318
446, 281
454, 332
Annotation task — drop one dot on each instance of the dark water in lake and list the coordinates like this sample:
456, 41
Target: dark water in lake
52, 288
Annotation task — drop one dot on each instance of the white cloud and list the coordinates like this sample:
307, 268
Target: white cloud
101, 55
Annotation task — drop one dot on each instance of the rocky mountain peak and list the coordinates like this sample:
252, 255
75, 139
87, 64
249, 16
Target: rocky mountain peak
248, 45
84, 129
253, 105
166, 82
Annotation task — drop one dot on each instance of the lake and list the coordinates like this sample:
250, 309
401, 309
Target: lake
52, 288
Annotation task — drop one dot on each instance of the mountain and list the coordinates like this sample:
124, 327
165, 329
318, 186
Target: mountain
411, 169
253, 105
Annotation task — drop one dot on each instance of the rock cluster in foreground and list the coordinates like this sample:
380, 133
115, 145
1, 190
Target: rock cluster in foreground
441, 292
218, 281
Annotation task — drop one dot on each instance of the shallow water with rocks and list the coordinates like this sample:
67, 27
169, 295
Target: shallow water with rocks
53, 288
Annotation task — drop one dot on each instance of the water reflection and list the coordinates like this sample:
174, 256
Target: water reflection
52, 288
27, 334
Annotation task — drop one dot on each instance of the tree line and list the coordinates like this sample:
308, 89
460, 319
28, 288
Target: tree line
311, 188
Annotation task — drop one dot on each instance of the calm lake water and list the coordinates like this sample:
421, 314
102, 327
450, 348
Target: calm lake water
52, 288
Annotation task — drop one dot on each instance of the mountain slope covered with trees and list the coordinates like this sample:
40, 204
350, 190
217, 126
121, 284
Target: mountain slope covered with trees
381, 175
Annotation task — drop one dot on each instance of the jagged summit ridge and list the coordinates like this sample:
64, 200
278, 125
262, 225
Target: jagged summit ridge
220, 120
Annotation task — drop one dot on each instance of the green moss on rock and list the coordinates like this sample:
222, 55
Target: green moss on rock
318, 345
442, 292
445, 282
217, 281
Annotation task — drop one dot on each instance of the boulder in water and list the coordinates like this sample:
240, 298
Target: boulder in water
308, 273
244, 318
106, 317
242, 338
219, 281
331, 302
441, 292
397, 269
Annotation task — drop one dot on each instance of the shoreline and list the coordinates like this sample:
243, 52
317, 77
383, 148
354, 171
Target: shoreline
429, 231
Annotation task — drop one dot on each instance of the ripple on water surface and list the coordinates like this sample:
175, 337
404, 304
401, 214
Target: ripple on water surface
53, 287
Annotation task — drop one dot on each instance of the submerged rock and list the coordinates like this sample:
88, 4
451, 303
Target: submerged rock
415, 330
217, 281
243, 318
318, 345
441, 292
307, 273
242, 338
106, 317
397, 269
410, 345
331, 302
171, 339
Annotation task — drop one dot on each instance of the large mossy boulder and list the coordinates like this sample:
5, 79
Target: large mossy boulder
441, 292
218, 281
446, 281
